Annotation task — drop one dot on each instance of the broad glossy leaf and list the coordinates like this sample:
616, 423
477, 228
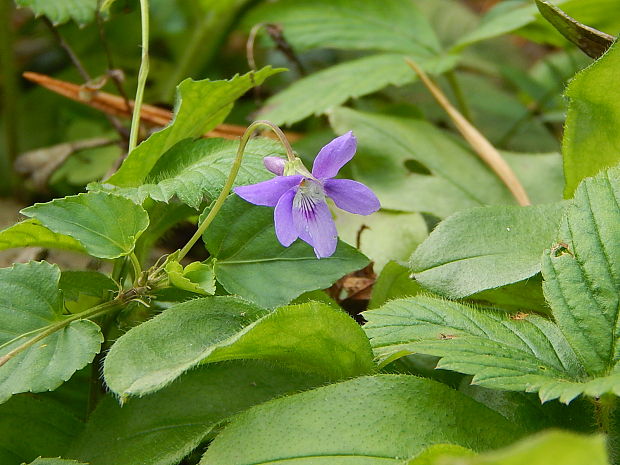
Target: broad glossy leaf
318, 93
60, 11
31, 233
485, 248
458, 178
591, 136
384, 235
311, 337
106, 225
371, 420
160, 429
33, 425
248, 259
582, 273
562, 447
394, 282
396, 26
194, 169
201, 105
30, 302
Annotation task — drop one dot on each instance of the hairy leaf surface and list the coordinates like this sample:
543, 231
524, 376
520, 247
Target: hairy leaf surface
201, 106
591, 136
485, 248
30, 301
371, 420
160, 429
106, 225
31, 233
311, 337
194, 169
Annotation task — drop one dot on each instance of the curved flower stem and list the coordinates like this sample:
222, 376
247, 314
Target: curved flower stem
231, 179
142, 74
106, 307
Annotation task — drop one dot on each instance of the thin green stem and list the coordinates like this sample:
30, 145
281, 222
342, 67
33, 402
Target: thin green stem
93, 312
458, 94
142, 75
137, 269
232, 176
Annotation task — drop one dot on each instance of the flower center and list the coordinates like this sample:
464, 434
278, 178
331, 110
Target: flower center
309, 193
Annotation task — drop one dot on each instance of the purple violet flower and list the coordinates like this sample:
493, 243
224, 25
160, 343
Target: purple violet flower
299, 196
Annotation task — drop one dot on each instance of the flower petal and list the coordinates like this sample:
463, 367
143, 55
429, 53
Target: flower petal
267, 193
334, 156
352, 196
275, 165
315, 225
283, 218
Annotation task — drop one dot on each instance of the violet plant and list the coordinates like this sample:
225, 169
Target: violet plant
447, 325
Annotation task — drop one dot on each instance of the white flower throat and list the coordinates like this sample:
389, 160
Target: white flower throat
309, 193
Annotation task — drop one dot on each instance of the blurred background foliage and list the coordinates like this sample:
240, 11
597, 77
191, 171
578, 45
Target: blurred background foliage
501, 64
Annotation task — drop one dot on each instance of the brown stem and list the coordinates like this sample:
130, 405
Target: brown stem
476, 140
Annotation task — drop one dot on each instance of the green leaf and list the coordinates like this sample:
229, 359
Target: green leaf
384, 235
565, 448
248, 259
318, 93
311, 337
31, 233
196, 277
201, 106
85, 289
61, 11
505, 17
485, 248
162, 428
594, 43
371, 420
458, 179
437, 452
345, 24
394, 282
193, 169
591, 136
582, 273
106, 225
33, 425
41, 461
31, 302
90, 283
519, 353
